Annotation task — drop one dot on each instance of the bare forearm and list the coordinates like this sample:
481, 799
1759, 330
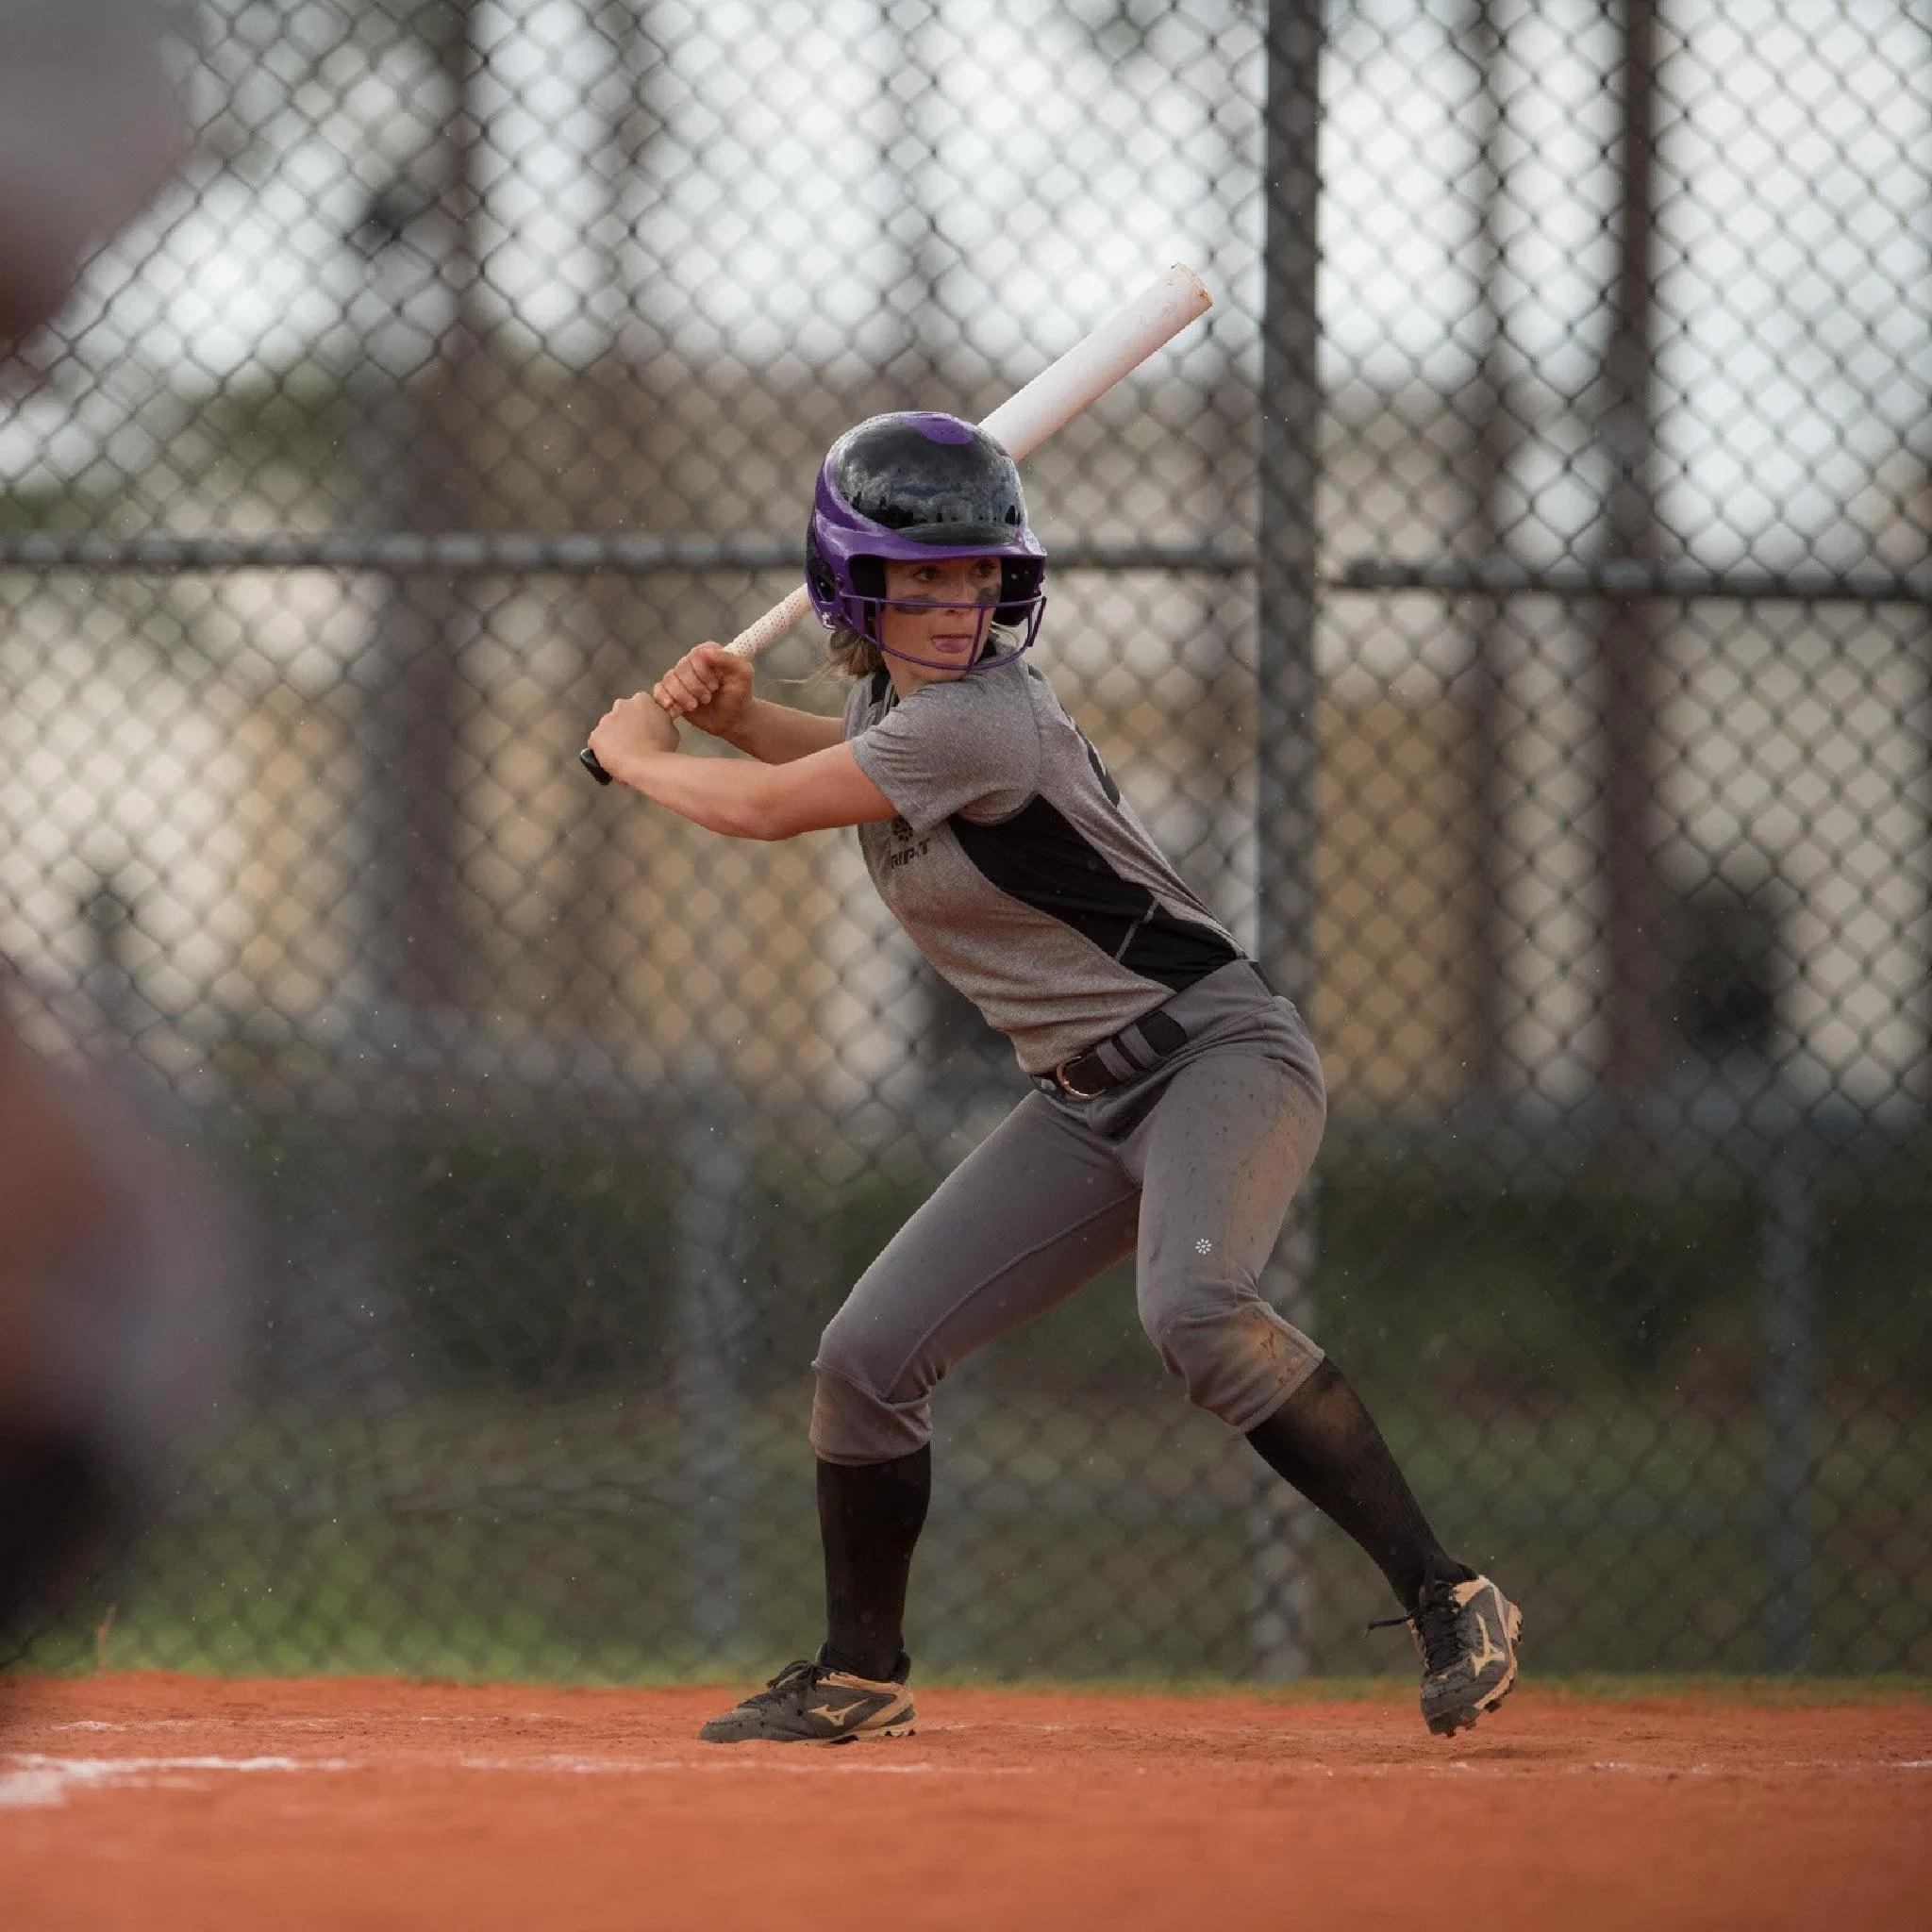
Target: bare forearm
719, 795
776, 734
743, 801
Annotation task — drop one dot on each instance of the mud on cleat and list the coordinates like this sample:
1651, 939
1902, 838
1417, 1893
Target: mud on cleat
811, 1703
1465, 1631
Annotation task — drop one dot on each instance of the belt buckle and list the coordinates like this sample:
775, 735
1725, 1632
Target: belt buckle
1067, 1087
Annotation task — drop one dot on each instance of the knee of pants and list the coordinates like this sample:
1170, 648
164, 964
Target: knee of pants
858, 1413
1235, 1355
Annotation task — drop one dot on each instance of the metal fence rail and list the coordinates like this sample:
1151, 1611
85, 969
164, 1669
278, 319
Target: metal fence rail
1510, 610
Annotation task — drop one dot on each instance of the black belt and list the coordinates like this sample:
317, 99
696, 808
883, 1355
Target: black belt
1136, 1049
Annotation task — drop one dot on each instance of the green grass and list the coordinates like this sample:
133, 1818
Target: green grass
1072, 1540
70, 1657
1575, 1385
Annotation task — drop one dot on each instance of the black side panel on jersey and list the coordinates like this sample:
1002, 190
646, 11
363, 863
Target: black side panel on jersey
1038, 857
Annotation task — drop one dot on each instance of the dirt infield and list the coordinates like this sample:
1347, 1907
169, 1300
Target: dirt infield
166, 1803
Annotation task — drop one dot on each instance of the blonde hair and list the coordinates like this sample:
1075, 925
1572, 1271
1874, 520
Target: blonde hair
853, 654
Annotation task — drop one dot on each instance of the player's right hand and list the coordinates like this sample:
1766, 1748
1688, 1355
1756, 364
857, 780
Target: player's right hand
709, 687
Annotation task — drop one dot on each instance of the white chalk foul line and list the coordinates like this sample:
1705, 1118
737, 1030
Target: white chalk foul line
36, 1780
33, 1780
819, 1763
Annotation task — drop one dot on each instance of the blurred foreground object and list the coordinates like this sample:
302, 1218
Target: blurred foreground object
110, 1329
92, 119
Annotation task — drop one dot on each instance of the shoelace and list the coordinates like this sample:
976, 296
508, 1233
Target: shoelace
801, 1674
1434, 1623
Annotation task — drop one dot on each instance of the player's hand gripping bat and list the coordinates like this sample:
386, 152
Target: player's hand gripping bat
1022, 423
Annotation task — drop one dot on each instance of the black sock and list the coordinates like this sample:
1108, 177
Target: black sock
870, 1516
1323, 1441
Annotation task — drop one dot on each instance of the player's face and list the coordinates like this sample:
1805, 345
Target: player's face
938, 611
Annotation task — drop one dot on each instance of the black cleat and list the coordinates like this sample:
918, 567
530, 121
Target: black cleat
1465, 1633
810, 1703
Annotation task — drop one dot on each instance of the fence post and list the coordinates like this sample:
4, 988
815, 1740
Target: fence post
709, 1330
1791, 1308
1625, 631
1280, 1520
1286, 698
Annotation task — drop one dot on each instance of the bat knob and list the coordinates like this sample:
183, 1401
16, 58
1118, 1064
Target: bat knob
587, 758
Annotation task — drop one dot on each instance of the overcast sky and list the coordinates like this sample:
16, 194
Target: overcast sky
790, 205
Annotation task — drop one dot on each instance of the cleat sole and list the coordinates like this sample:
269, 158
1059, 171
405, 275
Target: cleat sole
861, 1736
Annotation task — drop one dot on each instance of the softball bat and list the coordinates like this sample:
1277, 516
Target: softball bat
1091, 367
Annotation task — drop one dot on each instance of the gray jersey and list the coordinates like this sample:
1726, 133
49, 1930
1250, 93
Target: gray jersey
1017, 868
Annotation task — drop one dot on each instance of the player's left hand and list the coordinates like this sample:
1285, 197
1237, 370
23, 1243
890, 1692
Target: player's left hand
632, 728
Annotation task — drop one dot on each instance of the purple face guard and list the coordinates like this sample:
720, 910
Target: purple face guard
910, 488
994, 649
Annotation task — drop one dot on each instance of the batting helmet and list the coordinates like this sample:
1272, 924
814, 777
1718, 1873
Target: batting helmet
900, 488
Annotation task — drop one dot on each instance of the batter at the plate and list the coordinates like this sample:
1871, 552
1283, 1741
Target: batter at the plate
1177, 1101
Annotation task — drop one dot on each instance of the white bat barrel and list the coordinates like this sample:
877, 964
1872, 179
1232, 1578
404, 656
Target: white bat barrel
1098, 361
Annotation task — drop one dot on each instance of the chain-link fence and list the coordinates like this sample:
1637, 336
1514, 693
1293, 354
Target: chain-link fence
1518, 632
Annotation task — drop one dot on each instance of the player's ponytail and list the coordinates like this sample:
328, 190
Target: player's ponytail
851, 654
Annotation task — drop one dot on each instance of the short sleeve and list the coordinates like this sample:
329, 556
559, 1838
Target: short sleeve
971, 747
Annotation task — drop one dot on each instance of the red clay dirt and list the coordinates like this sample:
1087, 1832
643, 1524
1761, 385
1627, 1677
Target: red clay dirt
154, 1802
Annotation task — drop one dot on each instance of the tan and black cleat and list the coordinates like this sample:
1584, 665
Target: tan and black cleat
1466, 1635
810, 1703
1465, 1631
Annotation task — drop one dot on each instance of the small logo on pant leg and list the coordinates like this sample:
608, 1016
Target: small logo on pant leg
1204, 1246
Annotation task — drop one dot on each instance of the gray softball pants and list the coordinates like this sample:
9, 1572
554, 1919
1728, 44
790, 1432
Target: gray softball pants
1189, 1167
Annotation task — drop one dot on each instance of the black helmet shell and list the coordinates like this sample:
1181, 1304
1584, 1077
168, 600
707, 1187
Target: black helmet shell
930, 479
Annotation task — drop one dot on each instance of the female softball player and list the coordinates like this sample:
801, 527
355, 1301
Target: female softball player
1177, 1100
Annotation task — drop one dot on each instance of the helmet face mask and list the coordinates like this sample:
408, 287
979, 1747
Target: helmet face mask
911, 488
